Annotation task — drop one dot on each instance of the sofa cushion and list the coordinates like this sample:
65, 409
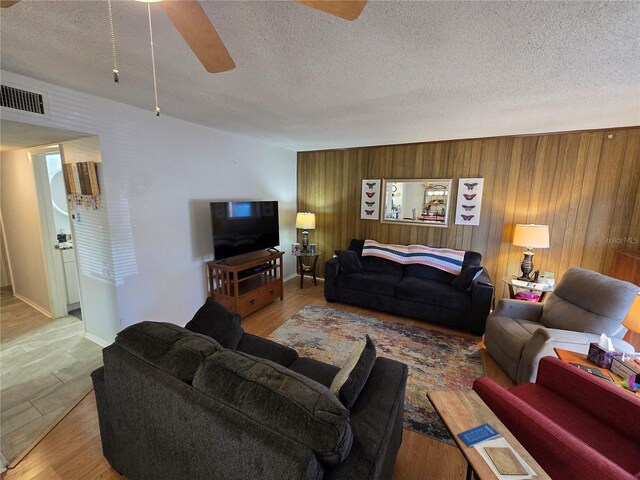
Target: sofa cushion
428, 273
169, 347
349, 261
380, 283
267, 349
217, 322
432, 292
382, 265
351, 378
280, 400
321, 372
467, 276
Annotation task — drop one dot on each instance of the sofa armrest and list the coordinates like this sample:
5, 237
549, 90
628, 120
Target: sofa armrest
267, 349
609, 403
331, 272
377, 417
530, 311
558, 452
481, 297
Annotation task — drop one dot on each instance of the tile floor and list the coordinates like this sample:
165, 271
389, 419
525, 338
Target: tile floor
44, 368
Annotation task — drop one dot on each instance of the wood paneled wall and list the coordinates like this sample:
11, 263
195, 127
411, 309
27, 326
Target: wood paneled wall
584, 185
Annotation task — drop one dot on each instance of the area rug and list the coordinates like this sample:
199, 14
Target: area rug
437, 361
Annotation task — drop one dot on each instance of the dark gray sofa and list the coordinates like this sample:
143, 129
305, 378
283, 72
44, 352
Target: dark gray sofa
416, 291
170, 406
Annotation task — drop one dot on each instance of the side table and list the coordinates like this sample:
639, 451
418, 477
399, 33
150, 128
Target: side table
514, 284
581, 358
304, 268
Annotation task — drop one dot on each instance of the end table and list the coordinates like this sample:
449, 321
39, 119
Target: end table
539, 288
308, 268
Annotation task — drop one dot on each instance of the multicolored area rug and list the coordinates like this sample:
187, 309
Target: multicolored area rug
436, 360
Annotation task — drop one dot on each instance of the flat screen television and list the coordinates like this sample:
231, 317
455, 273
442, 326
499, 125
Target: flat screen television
243, 227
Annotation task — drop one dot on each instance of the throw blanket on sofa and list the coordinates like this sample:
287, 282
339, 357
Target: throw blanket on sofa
443, 258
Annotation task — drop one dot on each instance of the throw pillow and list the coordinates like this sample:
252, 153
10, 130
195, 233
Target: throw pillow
349, 261
350, 380
467, 276
218, 323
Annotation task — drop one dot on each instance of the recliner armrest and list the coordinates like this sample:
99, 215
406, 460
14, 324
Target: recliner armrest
542, 343
544, 340
530, 311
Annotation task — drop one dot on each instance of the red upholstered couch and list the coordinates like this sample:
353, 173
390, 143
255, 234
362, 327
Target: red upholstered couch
574, 424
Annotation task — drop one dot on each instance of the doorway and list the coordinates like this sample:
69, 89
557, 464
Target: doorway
63, 241
47, 354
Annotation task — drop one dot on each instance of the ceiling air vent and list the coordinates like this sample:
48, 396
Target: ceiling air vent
22, 100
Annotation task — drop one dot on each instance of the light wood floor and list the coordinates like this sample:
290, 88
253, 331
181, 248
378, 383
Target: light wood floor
72, 449
44, 369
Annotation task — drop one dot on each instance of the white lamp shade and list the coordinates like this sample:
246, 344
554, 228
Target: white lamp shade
532, 236
306, 220
632, 320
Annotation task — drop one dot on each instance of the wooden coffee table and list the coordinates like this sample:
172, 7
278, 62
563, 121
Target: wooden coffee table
464, 409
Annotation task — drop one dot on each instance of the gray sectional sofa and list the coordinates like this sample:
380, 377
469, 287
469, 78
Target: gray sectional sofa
174, 404
416, 291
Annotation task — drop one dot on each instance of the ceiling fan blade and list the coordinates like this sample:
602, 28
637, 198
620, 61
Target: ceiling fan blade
193, 24
347, 9
8, 3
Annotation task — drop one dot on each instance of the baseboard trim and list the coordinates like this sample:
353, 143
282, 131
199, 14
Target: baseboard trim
97, 340
297, 275
33, 305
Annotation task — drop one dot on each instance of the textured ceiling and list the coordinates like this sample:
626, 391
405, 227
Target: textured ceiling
16, 135
402, 72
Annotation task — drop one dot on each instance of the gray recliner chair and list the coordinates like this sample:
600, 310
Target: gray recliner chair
583, 305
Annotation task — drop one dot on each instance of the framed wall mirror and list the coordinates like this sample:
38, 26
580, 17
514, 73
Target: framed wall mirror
417, 201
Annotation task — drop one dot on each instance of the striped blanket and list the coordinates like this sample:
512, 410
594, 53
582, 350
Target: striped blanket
443, 258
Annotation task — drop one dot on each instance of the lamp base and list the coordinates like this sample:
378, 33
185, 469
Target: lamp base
526, 266
305, 241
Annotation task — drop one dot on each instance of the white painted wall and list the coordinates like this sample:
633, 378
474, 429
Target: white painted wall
21, 221
93, 249
5, 274
159, 175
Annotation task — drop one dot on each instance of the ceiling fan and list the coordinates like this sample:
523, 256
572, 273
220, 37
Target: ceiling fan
195, 27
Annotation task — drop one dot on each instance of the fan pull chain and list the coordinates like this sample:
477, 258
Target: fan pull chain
116, 74
153, 63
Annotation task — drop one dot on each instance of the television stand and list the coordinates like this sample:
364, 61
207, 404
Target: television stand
247, 282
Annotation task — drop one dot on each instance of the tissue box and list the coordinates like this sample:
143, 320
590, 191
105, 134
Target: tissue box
627, 367
600, 356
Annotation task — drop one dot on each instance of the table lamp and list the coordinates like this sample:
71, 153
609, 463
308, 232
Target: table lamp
530, 237
305, 221
632, 320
